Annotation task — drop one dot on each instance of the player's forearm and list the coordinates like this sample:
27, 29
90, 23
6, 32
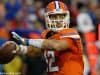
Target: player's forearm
55, 44
50, 44
29, 51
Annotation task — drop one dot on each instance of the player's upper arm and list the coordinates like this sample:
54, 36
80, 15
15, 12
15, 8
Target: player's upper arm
73, 43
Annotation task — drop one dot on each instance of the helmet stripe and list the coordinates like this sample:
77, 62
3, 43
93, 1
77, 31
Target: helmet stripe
57, 5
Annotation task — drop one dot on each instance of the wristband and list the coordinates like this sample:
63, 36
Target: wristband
23, 49
35, 42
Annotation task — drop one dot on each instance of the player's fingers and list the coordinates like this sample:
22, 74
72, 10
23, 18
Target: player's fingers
16, 36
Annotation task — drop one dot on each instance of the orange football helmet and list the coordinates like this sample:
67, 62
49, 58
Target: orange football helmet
57, 16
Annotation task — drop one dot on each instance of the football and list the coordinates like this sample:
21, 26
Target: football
7, 52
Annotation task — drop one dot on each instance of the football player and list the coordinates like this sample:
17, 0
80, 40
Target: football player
61, 45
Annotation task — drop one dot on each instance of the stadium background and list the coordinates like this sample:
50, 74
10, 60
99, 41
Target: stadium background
25, 17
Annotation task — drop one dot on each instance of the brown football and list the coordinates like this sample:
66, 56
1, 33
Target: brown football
6, 52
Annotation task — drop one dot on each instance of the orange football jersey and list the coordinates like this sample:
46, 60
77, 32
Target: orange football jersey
65, 62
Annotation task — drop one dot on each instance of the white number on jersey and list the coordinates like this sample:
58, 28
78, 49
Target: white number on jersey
51, 61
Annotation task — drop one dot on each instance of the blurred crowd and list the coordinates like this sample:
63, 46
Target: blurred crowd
26, 17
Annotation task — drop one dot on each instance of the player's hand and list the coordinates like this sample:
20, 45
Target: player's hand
18, 38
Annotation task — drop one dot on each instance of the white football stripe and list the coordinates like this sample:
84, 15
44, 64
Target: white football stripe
57, 4
71, 36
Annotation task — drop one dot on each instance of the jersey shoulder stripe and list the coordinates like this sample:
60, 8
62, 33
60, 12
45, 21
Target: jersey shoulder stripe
76, 36
70, 33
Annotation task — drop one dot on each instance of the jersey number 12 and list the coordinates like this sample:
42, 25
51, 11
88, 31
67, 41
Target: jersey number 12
50, 60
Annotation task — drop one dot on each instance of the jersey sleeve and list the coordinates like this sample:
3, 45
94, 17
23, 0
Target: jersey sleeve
74, 43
